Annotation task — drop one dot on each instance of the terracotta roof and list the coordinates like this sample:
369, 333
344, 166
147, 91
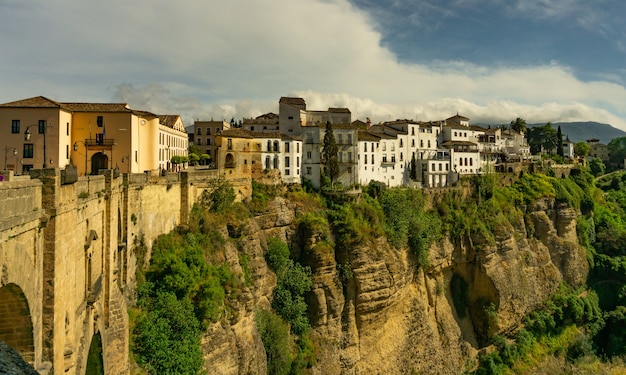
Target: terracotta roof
468, 143
242, 133
168, 120
267, 116
339, 110
96, 107
34, 102
292, 101
367, 136
287, 137
236, 133
457, 117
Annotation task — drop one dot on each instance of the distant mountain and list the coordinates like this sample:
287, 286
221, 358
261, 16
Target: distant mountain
582, 131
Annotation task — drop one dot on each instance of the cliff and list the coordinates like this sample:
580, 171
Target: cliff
382, 314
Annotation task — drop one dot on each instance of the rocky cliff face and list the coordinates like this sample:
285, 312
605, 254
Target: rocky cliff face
383, 315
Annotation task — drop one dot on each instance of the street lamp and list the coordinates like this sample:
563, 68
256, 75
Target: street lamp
27, 138
6, 150
86, 152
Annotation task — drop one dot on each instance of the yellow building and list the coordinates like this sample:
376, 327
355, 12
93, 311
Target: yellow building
92, 136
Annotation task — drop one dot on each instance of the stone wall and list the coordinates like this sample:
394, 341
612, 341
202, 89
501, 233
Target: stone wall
68, 259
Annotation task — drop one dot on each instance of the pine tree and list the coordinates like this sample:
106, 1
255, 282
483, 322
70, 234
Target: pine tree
330, 160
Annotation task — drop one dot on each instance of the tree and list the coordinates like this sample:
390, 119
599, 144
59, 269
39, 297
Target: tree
330, 151
542, 139
581, 150
193, 159
413, 173
596, 167
559, 138
519, 125
617, 150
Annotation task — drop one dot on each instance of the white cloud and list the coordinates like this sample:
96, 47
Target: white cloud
236, 58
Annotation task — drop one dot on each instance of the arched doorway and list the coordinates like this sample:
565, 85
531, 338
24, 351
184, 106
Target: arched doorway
95, 364
16, 327
99, 161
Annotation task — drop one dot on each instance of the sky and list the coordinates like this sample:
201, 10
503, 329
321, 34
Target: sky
489, 60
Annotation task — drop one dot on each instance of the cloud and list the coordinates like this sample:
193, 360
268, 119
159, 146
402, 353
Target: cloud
235, 59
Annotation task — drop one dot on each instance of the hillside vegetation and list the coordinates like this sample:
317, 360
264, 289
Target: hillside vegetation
192, 283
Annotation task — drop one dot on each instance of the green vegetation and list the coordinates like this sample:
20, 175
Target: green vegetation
188, 283
330, 158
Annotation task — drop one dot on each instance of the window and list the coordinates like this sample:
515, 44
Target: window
412, 131
28, 150
67, 151
100, 121
290, 117
199, 131
308, 154
100, 139
42, 126
440, 167
372, 159
455, 134
252, 128
429, 143
286, 146
384, 146
365, 147
297, 161
365, 159
297, 147
67, 128
286, 172
432, 167
350, 156
401, 143
384, 158
412, 142
471, 161
208, 131
372, 148
268, 164
349, 138
230, 144
308, 170
15, 126
287, 162
421, 143
401, 156
199, 141
276, 146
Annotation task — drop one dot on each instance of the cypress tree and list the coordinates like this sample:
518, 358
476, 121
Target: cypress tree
330, 159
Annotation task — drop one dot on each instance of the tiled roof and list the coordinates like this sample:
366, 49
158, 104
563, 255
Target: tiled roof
35, 102
367, 136
339, 110
450, 143
457, 117
267, 116
242, 133
96, 107
168, 120
287, 137
292, 101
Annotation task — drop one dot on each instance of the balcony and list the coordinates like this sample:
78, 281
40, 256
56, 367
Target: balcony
99, 142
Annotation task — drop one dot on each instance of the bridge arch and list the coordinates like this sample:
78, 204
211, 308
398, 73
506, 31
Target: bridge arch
95, 363
16, 326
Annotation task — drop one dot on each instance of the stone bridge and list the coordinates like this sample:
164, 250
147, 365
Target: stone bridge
67, 260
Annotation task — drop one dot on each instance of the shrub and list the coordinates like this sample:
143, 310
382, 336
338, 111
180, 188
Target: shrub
277, 342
